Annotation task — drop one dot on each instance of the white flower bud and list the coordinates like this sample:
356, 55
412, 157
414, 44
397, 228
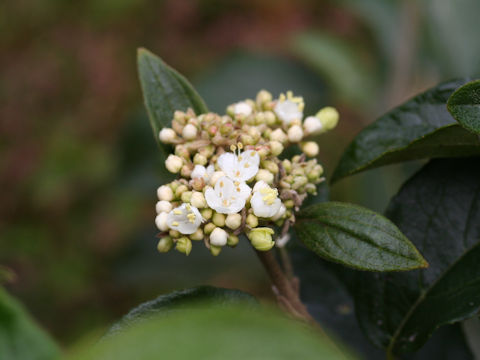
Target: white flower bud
233, 221
163, 206
312, 125
276, 148
198, 200
295, 134
328, 117
265, 175
242, 108
161, 221
189, 132
165, 192
218, 237
278, 135
310, 148
215, 176
167, 135
173, 163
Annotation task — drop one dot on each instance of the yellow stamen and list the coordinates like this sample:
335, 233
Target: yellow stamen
269, 195
237, 173
246, 166
240, 145
221, 184
175, 223
177, 212
233, 147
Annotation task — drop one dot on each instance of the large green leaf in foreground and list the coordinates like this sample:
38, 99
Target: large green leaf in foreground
218, 333
356, 237
20, 337
420, 128
439, 210
464, 105
164, 91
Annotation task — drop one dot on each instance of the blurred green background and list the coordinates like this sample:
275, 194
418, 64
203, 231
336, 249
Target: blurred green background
79, 165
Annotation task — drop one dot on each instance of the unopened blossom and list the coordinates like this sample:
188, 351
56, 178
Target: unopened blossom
242, 108
218, 237
161, 221
165, 192
261, 238
167, 135
265, 202
185, 219
163, 206
173, 163
228, 196
241, 167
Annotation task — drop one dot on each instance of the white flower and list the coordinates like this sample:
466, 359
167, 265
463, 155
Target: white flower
218, 237
189, 132
289, 108
265, 202
167, 135
163, 206
165, 192
295, 134
161, 221
186, 219
228, 197
280, 212
174, 163
242, 108
240, 168
199, 171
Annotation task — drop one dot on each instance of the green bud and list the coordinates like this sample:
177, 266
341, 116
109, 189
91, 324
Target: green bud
289, 204
271, 166
199, 159
184, 245
165, 244
218, 219
328, 116
180, 190
261, 238
276, 148
298, 182
263, 97
208, 228
174, 234
186, 196
206, 213
252, 221
287, 165
270, 118
215, 250
197, 235
232, 240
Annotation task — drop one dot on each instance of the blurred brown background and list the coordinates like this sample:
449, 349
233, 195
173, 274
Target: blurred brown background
79, 165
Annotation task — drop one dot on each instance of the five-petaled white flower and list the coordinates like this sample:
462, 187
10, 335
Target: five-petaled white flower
241, 167
265, 202
228, 196
289, 108
186, 219
199, 171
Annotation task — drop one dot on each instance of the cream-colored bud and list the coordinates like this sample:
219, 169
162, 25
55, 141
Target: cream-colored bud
215, 176
189, 132
254, 133
232, 240
328, 117
215, 250
310, 148
197, 235
206, 213
161, 221
186, 170
252, 220
198, 183
198, 200
315, 173
165, 244
218, 237
174, 163
278, 135
164, 192
295, 134
180, 190
263, 96
261, 238
276, 147
199, 159
312, 125
264, 175
270, 118
218, 219
184, 245
186, 196
287, 165
182, 151
163, 206
167, 135
208, 228
179, 116
259, 118
233, 221
270, 166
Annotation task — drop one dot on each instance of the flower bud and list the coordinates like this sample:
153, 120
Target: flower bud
182, 151
315, 173
167, 135
164, 192
161, 221
289, 203
259, 118
328, 117
174, 234
218, 219
295, 134
165, 244
264, 175
186, 170
312, 125
270, 166
254, 133
189, 132
218, 237
198, 200
278, 135
199, 159
215, 250
173, 163
298, 182
263, 96
261, 238
270, 118
206, 213
186, 196
310, 148
233, 221
180, 190
208, 228
252, 220
232, 240
197, 235
276, 147
179, 116
184, 245
163, 206
242, 109
197, 183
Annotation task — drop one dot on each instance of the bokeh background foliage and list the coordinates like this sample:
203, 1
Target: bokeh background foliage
79, 166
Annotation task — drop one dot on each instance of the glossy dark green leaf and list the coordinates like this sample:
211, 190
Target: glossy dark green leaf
357, 237
420, 128
20, 337
164, 91
233, 333
181, 300
439, 210
464, 105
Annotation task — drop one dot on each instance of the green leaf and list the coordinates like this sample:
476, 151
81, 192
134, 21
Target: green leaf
164, 91
464, 105
420, 128
181, 300
20, 337
356, 237
219, 333
439, 210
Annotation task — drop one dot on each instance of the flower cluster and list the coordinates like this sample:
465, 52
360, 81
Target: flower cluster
232, 178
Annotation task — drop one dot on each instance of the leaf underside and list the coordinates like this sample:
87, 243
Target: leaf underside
464, 105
